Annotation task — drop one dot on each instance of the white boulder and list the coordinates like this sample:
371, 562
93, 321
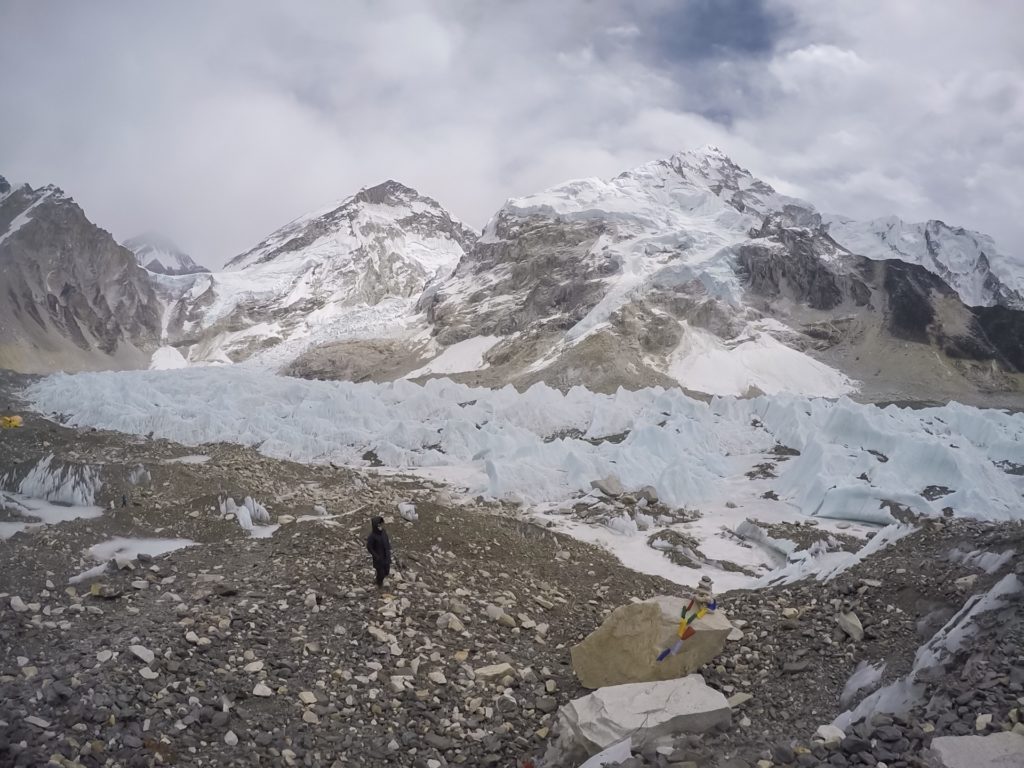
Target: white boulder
625, 648
609, 486
646, 713
849, 622
999, 750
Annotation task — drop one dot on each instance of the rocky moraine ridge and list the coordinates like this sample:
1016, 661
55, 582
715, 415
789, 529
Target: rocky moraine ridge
243, 650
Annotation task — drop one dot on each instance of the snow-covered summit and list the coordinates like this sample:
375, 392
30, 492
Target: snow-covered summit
158, 253
389, 218
361, 262
969, 262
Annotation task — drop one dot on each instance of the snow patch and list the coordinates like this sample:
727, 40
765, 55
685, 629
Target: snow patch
129, 548
462, 356
705, 363
167, 358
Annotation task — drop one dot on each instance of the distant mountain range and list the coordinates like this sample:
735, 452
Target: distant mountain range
159, 254
687, 271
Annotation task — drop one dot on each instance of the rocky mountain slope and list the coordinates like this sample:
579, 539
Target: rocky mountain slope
73, 299
690, 271
161, 255
687, 271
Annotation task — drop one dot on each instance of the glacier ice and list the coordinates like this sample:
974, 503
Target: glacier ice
544, 447
73, 484
248, 513
677, 445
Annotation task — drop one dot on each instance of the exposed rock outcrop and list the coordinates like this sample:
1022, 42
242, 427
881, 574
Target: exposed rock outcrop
72, 298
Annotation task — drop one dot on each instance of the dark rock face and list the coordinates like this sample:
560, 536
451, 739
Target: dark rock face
73, 298
792, 258
908, 289
540, 267
1004, 330
796, 270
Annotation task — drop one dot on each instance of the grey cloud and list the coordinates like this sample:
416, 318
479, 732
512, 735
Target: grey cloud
217, 123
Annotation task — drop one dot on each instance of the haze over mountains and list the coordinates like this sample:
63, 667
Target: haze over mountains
687, 271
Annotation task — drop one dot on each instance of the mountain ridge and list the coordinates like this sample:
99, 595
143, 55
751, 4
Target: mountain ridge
680, 265
158, 253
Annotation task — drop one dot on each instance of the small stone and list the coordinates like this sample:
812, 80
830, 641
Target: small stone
262, 690
253, 666
830, 735
737, 699
148, 674
38, 722
850, 624
311, 717
546, 704
982, 722
851, 745
104, 656
18, 605
437, 678
450, 621
783, 753
493, 671
143, 653
965, 583
790, 613
307, 697
231, 738
547, 605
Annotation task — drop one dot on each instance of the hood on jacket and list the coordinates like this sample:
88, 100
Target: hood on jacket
377, 523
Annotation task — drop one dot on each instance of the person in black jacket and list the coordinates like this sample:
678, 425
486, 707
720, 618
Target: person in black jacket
379, 546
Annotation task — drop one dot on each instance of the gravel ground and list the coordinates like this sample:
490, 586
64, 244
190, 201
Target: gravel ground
279, 651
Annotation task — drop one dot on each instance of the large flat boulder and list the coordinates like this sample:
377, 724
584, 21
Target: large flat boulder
625, 648
645, 712
998, 750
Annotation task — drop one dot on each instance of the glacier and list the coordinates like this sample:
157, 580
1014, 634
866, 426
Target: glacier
542, 448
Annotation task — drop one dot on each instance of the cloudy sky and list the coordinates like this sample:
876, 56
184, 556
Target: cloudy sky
218, 122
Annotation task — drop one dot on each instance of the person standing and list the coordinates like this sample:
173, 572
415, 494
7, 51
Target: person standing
379, 546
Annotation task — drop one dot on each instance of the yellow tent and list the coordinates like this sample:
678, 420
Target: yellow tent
9, 422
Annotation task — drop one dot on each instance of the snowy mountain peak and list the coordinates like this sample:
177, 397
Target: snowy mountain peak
969, 262
358, 263
389, 192
370, 214
158, 253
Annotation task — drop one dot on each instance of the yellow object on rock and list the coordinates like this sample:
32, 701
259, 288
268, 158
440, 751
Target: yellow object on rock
9, 422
